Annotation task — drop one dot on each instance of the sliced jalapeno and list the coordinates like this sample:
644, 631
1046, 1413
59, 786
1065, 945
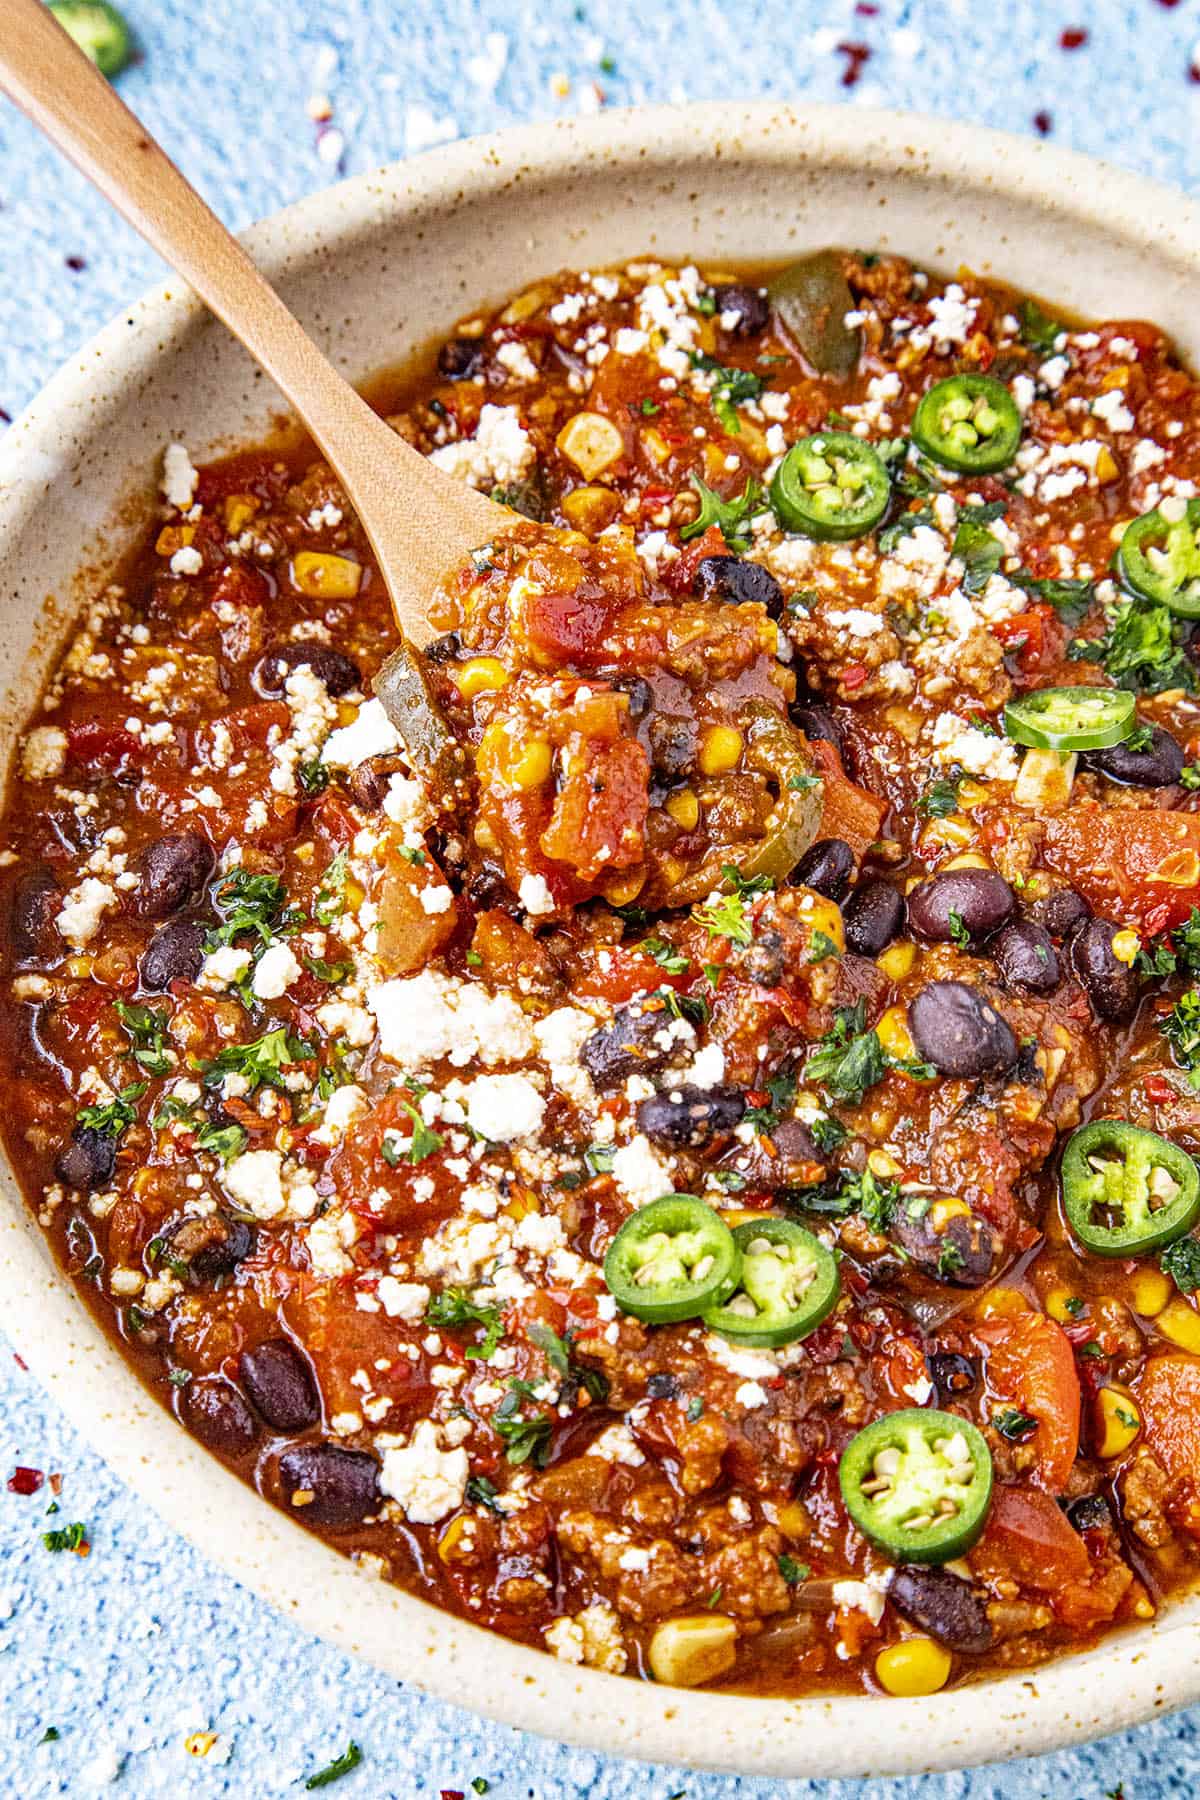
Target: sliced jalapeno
811, 299
831, 486
98, 29
672, 1260
1127, 1191
789, 1284
1071, 718
970, 423
1160, 559
917, 1484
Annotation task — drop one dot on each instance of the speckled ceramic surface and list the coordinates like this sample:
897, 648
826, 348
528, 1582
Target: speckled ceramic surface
388, 259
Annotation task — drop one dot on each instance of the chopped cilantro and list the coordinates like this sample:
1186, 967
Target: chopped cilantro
875, 1201
525, 1439
1069, 596
225, 1141
425, 1142
731, 388
261, 1062
341, 1765
1181, 1261
730, 515
453, 1308
667, 956
146, 1029
1038, 329
940, 798
51, 1735
793, 1572
827, 1133
850, 1058
1013, 1425
726, 918
695, 1408
313, 777
979, 552
1181, 1028
557, 1351
823, 947
67, 1537
1142, 649
112, 1117
482, 1492
330, 902
950, 1258
960, 937
333, 973
891, 534
781, 1097
249, 903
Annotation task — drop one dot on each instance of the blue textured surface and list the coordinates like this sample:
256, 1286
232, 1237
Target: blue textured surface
128, 1651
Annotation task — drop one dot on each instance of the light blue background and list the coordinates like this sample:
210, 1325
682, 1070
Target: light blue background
128, 1651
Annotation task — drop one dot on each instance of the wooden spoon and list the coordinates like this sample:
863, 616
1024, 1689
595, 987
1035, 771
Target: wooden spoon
420, 522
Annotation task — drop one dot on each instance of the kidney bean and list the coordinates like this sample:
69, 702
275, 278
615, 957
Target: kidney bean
951, 1374
826, 866
1061, 912
218, 1415
735, 580
977, 901
948, 1608
1157, 765
1026, 959
686, 1117
1111, 985
460, 359
174, 953
87, 1160
279, 1381
873, 916
35, 901
816, 721
173, 871
638, 1042
339, 673
344, 1484
794, 1161
211, 1244
959, 1032
753, 309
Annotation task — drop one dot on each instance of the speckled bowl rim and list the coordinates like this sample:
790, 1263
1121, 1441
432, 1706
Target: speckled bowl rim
1133, 1675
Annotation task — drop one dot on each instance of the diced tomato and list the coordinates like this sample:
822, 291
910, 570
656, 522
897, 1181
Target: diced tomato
679, 575
850, 812
599, 815
1168, 1391
1158, 1090
25, 1481
1030, 1365
567, 628
1028, 1537
109, 748
1036, 636
1135, 865
616, 972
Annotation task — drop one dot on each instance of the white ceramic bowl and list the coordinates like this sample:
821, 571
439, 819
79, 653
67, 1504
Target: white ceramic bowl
376, 267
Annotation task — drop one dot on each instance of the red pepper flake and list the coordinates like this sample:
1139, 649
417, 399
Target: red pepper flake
865, 10
25, 1481
1043, 123
857, 56
1194, 71
56, 1481
453, 1794
1158, 1090
76, 264
1073, 38
19, 1360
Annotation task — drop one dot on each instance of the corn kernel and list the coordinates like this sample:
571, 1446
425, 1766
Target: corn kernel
673, 871
625, 888
686, 1652
199, 1743
823, 915
956, 830
1045, 778
894, 1034
720, 750
239, 510
684, 807
971, 794
1062, 1305
590, 509
323, 576
881, 1164
1143, 1607
913, 1667
532, 767
506, 763
945, 1208
450, 1545
970, 859
794, 1522
172, 538
1106, 467
591, 442
1125, 946
482, 675
79, 967
1001, 1303
897, 960
1120, 1422
1149, 1292
1181, 1323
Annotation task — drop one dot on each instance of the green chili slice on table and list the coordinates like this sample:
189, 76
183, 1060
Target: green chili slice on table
1071, 718
789, 1285
672, 1260
917, 1484
98, 29
968, 422
1127, 1191
831, 486
1159, 558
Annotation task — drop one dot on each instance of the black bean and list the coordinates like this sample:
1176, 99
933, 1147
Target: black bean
816, 721
956, 1029
765, 961
736, 581
672, 744
974, 901
951, 1374
641, 694
339, 673
35, 902
444, 649
873, 916
487, 886
174, 953
753, 309
369, 780
1091, 1512
87, 1161
460, 358
344, 1484
948, 1608
638, 1041
218, 1415
279, 1381
1061, 912
1026, 959
1157, 764
172, 872
211, 1244
962, 1252
686, 1117
662, 1387
826, 866
1111, 985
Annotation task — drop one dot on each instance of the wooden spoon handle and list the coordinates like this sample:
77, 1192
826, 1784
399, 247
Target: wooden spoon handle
402, 501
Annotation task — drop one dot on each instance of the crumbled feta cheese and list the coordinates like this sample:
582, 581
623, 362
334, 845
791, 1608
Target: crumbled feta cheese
1111, 408
403, 1300
276, 971
371, 733
593, 1637
44, 753
535, 895
503, 1108
515, 358
82, 910
187, 560
425, 1480
640, 1172
436, 899
428, 1016
255, 1181
179, 478
866, 1596
501, 451
978, 752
